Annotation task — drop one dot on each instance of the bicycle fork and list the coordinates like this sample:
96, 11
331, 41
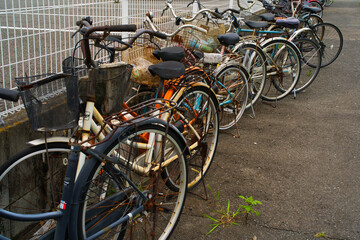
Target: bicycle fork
66, 199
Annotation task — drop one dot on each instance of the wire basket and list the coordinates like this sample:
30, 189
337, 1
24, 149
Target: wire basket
51, 101
75, 66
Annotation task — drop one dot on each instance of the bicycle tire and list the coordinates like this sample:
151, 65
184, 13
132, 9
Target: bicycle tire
155, 186
283, 69
330, 40
310, 62
254, 61
28, 192
234, 79
200, 109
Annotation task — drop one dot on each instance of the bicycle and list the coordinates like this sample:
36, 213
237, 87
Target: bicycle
199, 116
230, 77
71, 173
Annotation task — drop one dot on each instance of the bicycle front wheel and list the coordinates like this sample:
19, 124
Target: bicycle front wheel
153, 160
232, 84
310, 62
31, 183
330, 40
283, 70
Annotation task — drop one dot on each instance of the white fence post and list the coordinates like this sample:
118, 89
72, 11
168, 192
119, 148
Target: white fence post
231, 3
195, 8
125, 14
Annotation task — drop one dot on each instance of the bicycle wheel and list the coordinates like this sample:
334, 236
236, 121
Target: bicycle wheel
232, 95
104, 196
328, 3
283, 70
310, 62
30, 184
330, 40
198, 109
254, 61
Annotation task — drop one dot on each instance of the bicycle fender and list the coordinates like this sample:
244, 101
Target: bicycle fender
211, 93
271, 39
240, 44
284, 39
40, 141
101, 147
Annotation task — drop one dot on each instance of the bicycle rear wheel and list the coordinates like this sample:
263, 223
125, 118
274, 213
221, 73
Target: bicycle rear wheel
104, 196
330, 40
254, 61
310, 62
232, 84
31, 184
283, 70
198, 108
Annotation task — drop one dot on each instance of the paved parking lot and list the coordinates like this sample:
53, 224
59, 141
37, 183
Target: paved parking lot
299, 157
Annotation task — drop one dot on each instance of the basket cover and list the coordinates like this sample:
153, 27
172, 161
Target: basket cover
108, 85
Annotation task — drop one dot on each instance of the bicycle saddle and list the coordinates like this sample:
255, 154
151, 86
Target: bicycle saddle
289, 22
256, 24
167, 70
311, 9
169, 54
228, 39
267, 16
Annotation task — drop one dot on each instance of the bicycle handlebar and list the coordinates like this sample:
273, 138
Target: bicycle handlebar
111, 28
148, 20
88, 31
7, 94
10, 95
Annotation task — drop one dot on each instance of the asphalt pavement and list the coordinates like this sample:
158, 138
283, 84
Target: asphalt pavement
299, 157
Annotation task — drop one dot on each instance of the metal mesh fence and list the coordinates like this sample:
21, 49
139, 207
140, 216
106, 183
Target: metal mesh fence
36, 34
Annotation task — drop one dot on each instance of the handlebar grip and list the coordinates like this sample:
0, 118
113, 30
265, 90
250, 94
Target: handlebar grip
122, 28
217, 15
160, 35
7, 94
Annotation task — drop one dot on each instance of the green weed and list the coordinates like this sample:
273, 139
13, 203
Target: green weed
226, 217
320, 235
249, 207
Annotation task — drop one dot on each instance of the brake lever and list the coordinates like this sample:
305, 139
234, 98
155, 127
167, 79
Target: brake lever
73, 35
165, 9
116, 39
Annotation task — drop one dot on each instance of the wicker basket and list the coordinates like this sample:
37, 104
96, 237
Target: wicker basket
51, 101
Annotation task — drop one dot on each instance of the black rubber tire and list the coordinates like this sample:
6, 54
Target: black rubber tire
94, 171
277, 85
331, 42
27, 176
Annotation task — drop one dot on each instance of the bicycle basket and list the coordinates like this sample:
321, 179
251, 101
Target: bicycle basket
108, 84
75, 66
51, 101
